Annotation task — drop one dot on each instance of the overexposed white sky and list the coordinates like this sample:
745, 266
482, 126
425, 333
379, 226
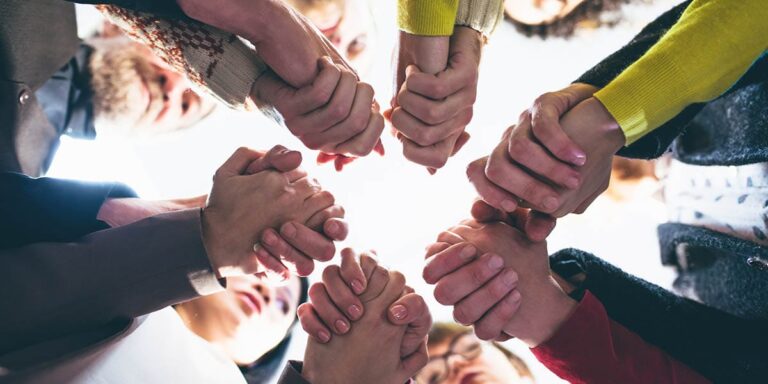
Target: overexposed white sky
392, 205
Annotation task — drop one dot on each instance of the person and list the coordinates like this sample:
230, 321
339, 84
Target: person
553, 323
388, 312
561, 18
457, 356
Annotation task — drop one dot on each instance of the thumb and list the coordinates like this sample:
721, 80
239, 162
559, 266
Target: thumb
411, 310
238, 163
278, 158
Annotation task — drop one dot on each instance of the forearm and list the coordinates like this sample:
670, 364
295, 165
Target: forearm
53, 289
710, 47
591, 348
164, 8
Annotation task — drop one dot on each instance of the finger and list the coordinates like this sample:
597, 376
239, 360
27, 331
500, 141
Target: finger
278, 158
352, 273
449, 237
509, 176
584, 205
336, 229
341, 294
538, 226
311, 323
447, 261
319, 202
355, 123
377, 283
326, 310
484, 212
522, 149
271, 264
488, 191
364, 143
367, 262
503, 337
307, 241
424, 134
411, 310
456, 77
341, 161
492, 324
416, 361
459, 284
310, 97
473, 307
434, 156
545, 120
460, 142
237, 164
277, 246
317, 221
435, 248
432, 112
335, 111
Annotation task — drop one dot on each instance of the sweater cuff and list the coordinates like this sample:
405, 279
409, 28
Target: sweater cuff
216, 62
427, 17
481, 15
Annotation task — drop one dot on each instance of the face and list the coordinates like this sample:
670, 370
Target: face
467, 360
137, 94
347, 24
247, 320
538, 12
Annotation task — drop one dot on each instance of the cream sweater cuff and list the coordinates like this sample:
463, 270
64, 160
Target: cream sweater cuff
481, 15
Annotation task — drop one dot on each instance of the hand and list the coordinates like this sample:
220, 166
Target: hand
371, 351
240, 207
536, 226
434, 102
335, 303
521, 170
287, 42
335, 114
540, 306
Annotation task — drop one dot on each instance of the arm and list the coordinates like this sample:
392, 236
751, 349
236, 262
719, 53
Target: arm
165, 8
710, 47
689, 331
615, 355
55, 289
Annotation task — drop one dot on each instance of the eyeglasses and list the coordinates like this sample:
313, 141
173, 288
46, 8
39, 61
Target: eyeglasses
465, 346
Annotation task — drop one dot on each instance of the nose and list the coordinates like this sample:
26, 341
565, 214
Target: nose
173, 84
455, 364
264, 291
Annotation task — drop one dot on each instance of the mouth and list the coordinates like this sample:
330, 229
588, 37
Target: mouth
252, 302
470, 378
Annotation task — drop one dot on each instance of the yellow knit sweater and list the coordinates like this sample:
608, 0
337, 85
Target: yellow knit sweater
712, 45
437, 17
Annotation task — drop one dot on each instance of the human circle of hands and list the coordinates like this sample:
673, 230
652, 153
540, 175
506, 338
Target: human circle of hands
493, 269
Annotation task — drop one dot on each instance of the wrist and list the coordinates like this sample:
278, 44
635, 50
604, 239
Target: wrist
231, 16
552, 312
606, 124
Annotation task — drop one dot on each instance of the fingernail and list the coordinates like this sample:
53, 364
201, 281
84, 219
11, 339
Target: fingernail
289, 230
357, 286
399, 312
572, 182
341, 326
515, 295
509, 278
579, 158
495, 262
323, 336
270, 238
550, 203
467, 252
333, 226
509, 205
354, 311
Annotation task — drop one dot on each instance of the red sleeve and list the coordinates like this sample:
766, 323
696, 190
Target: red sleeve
592, 348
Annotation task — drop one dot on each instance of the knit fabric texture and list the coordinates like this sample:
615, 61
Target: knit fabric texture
438, 17
216, 62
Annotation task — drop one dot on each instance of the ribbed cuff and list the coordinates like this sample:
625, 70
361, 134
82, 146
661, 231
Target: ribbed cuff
642, 97
481, 15
427, 17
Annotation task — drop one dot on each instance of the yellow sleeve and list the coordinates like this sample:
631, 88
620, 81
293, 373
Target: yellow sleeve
427, 17
712, 45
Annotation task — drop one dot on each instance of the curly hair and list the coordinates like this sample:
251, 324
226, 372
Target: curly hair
590, 13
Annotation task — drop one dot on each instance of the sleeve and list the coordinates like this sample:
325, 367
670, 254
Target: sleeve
47, 209
481, 15
292, 374
721, 347
164, 8
615, 355
216, 62
710, 47
57, 289
427, 17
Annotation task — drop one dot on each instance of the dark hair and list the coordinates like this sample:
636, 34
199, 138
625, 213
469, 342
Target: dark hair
268, 365
442, 332
589, 12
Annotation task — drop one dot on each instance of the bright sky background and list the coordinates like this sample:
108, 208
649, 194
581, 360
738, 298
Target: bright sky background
392, 205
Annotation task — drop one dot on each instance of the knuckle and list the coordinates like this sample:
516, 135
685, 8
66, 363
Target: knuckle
483, 332
460, 315
316, 291
518, 147
477, 275
493, 171
442, 295
330, 273
497, 291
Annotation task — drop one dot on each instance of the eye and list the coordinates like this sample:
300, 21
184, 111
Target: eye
357, 45
283, 305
